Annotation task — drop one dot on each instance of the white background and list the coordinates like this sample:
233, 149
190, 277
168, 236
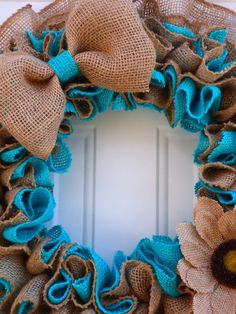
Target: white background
132, 176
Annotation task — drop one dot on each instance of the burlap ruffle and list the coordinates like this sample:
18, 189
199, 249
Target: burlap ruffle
217, 144
13, 276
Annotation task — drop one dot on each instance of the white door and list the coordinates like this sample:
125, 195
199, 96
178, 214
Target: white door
132, 175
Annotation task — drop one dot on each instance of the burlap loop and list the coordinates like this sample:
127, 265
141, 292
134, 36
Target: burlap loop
138, 281
11, 153
162, 45
218, 175
184, 56
6, 247
208, 75
217, 143
123, 62
47, 251
23, 19
82, 276
227, 111
30, 296
13, 277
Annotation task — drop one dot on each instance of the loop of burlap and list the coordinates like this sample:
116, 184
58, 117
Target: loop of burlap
36, 265
57, 267
138, 281
83, 106
207, 75
65, 128
7, 147
7, 248
214, 134
32, 293
162, 45
12, 269
78, 268
227, 110
27, 181
218, 175
23, 19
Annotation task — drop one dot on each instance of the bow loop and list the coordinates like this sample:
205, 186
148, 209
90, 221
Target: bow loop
31, 102
110, 45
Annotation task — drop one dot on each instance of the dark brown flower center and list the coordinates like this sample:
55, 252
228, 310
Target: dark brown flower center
223, 263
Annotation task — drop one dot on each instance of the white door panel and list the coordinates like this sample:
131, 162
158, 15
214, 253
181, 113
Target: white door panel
132, 175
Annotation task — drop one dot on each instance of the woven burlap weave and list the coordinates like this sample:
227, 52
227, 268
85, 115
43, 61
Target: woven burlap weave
23, 19
214, 133
137, 281
12, 269
32, 293
199, 13
218, 175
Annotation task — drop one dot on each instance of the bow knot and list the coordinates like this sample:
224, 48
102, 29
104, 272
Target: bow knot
65, 67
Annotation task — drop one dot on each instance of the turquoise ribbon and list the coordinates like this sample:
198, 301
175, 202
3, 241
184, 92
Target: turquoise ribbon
25, 307
163, 255
56, 237
61, 160
41, 171
10, 156
37, 205
5, 289
65, 67
60, 289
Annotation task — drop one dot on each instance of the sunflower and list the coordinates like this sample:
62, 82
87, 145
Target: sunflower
209, 263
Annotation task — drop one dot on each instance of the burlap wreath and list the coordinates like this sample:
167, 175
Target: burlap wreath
77, 58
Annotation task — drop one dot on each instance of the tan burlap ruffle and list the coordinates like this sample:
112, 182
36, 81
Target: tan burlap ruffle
12, 269
214, 134
218, 175
32, 293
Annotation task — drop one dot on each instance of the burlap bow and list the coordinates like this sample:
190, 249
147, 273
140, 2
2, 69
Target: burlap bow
106, 44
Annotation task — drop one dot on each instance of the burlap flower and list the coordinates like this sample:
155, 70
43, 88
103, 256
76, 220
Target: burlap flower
209, 263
